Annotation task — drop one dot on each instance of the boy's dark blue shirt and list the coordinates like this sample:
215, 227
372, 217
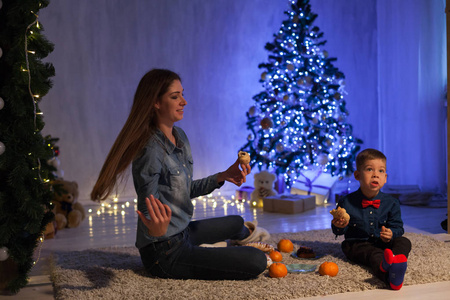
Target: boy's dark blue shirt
365, 223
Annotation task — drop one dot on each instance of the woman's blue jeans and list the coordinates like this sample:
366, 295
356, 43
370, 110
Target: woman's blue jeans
180, 257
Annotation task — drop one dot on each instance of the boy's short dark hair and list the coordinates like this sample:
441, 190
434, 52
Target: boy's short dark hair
368, 154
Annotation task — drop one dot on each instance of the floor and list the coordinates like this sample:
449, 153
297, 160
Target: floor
114, 224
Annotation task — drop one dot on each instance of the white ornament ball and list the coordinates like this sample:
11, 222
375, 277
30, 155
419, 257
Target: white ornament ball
2, 148
2, 103
60, 173
4, 253
54, 161
322, 159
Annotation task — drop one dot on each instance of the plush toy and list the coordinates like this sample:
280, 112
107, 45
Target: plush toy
340, 213
263, 188
68, 212
50, 230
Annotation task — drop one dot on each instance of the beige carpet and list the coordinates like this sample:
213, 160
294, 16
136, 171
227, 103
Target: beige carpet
117, 273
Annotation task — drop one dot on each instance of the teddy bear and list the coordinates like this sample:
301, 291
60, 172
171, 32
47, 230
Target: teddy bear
340, 213
68, 212
263, 188
50, 230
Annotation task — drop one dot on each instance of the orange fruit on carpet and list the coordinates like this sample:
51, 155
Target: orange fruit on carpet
277, 270
285, 245
275, 256
328, 268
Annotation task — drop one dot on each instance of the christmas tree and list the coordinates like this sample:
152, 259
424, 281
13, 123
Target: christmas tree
298, 122
25, 195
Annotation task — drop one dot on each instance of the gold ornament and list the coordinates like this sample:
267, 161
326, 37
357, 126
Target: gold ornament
322, 159
280, 147
266, 123
264, 75
308, 79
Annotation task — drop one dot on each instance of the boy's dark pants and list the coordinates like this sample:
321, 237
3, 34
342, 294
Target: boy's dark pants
370, 253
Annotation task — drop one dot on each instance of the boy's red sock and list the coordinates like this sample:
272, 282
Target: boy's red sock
388, 258
397, 271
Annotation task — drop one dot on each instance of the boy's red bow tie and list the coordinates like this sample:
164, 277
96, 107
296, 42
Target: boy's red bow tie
374, 203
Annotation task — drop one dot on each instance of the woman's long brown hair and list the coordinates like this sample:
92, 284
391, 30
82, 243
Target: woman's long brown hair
141, 123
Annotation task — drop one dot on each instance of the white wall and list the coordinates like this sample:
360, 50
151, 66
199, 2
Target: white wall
103, 47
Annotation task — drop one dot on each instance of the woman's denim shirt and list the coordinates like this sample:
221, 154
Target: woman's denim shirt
365, 223
165, 171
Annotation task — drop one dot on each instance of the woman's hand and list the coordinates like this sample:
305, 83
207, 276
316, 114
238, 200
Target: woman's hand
160, 215
234, 174
385, 234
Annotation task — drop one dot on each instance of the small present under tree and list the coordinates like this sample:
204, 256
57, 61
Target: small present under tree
298, 122
25, 196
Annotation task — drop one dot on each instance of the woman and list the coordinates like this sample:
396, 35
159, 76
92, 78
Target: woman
162, 167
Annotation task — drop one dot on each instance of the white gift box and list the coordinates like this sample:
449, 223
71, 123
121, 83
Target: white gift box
316, 184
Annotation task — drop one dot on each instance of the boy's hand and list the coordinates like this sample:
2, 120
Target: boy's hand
385, 234
340, 223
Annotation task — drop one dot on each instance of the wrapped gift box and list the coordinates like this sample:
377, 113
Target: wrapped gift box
288, 203
319, 185
244, 193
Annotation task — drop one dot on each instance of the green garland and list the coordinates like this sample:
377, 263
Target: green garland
25, 195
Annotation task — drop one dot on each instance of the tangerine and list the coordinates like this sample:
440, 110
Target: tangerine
275, 256
285, 245
277, 270
328, 268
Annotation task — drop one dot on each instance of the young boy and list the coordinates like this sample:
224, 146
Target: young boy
373, 236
